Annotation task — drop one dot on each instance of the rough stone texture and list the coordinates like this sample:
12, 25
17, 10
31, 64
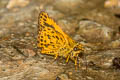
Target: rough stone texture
94, 32
86, 21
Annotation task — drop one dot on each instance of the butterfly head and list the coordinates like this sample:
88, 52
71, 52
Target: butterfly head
77, 53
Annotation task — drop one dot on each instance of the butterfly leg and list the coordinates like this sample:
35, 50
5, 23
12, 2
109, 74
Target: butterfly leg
76, 63
80, 61
56, 55
67, 58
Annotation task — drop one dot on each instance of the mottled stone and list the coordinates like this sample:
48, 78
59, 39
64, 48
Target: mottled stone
95, 32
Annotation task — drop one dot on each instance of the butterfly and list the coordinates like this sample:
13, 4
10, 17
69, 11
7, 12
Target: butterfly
52, 40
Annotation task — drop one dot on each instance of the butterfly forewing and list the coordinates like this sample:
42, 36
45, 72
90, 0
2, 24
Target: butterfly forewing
50, 37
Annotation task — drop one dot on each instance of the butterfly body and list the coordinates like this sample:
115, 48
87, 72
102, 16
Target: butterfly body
53, 41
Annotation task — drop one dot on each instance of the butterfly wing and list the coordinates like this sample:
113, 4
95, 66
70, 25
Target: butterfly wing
50, 36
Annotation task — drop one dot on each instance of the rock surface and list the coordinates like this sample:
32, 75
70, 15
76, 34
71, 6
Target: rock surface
86, 21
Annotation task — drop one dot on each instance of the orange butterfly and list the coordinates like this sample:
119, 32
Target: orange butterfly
53, 41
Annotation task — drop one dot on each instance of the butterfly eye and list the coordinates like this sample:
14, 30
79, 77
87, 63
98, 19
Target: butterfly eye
75, 49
